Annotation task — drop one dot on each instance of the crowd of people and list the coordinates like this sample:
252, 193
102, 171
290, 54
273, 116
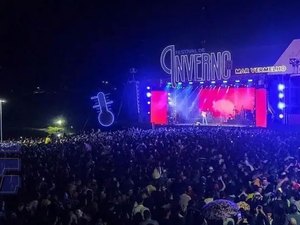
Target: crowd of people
160, 176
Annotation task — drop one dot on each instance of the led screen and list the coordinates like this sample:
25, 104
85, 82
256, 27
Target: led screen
159, 107
226, 102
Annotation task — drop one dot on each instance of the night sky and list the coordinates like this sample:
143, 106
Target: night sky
67, 47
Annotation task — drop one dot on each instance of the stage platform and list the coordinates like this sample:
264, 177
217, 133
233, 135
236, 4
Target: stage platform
210, 125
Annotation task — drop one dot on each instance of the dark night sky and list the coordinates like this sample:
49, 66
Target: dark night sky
68, 47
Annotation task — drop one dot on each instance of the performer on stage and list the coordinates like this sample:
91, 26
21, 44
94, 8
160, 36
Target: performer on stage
204, 118
235, 111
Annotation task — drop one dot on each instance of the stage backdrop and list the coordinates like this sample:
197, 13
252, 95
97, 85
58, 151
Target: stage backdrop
261, 107
225, 102
220, 102
159, 107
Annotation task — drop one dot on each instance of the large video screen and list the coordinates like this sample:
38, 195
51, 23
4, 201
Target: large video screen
240, 106
211, 106
159, 107
228, 105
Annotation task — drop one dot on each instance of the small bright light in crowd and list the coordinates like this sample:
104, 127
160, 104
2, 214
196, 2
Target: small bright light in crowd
281, 116
148, 88
59, 135
190, 82
224, 81
237, 81
149, 113
281, 87
281, 95
59, 122
179, 83
169, 98
170, 102
148, 94
250, 80
169, 94
148, 102
106, 82
281, 105
213, 82
201, 82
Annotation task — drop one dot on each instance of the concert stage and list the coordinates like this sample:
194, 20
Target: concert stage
208, 125
212, 105
222, 88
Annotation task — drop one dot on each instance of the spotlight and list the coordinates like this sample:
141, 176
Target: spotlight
281, 116
201, 82
148, 88
59, 122
281, 87
213, 82
148, 94
179, 83
225, 81
281, 105
190, 82
148, 102
237, 81
280, 95
250, 80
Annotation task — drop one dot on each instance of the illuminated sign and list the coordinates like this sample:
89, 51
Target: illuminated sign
105, 117
186, 66
266, 69
9, 182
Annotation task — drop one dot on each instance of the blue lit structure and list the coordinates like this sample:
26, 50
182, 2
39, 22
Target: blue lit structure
106, 118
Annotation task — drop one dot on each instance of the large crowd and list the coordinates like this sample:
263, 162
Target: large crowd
160, 176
